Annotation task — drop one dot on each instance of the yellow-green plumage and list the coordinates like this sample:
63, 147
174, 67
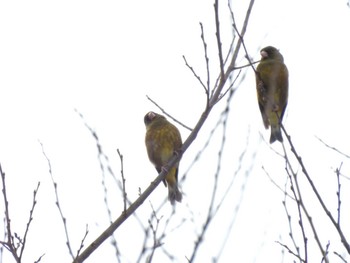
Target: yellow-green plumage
163, 139
272, 90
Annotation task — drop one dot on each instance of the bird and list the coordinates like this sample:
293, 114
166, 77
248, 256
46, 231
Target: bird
272, 90
163, 140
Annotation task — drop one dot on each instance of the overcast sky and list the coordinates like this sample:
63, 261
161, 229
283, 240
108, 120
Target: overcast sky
103, 57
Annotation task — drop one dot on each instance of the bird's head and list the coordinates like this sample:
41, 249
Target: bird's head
152, 117
270, 53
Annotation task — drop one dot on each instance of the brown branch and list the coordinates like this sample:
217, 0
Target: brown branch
134, 206
300, 202
314, 189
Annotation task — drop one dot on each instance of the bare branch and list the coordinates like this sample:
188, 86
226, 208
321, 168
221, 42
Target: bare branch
333, 148
241, 34
206, 61
314, 189
123, 178
290, 251
337, 172
132, 208
218, 38
64, 220
9, 245
29, 220
340, 256
195, 74
168, 115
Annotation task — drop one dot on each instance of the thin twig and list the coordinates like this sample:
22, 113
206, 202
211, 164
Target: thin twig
338, 192
333, 148
290, 251
206, 62
123, 178
303, 206
240, 37
340, 256
314, 189
29, 220
294, 185
195, 75
289, 217
103, 158
64, 220
240, 34
247, 65
218, 38
154, 230
83, 240
171, 117
9, 245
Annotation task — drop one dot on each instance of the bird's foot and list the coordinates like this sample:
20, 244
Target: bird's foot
165, 168
178, 152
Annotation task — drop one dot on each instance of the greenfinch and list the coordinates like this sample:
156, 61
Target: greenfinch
272, 90
163, 139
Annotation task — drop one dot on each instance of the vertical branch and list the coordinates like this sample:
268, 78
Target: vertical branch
338, 192
29, 221
10, 242
64, 220
291, 233
297, 197
240, 34
154, 229
123, 178
206, 62
218, 38
300, 203
231, 67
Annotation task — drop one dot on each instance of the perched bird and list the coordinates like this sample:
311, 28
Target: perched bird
272, 90
163, 139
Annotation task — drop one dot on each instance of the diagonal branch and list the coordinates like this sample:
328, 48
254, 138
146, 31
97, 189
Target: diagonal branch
193, 135
314, 189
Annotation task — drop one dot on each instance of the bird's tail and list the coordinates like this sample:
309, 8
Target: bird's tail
174, 194
276, 134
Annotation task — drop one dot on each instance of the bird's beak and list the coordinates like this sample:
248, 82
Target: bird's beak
264, 54
151, 115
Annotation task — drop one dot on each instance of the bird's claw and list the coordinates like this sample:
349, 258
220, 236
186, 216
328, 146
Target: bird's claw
165, 168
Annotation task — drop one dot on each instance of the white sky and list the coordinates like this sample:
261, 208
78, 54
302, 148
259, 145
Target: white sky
104, 57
